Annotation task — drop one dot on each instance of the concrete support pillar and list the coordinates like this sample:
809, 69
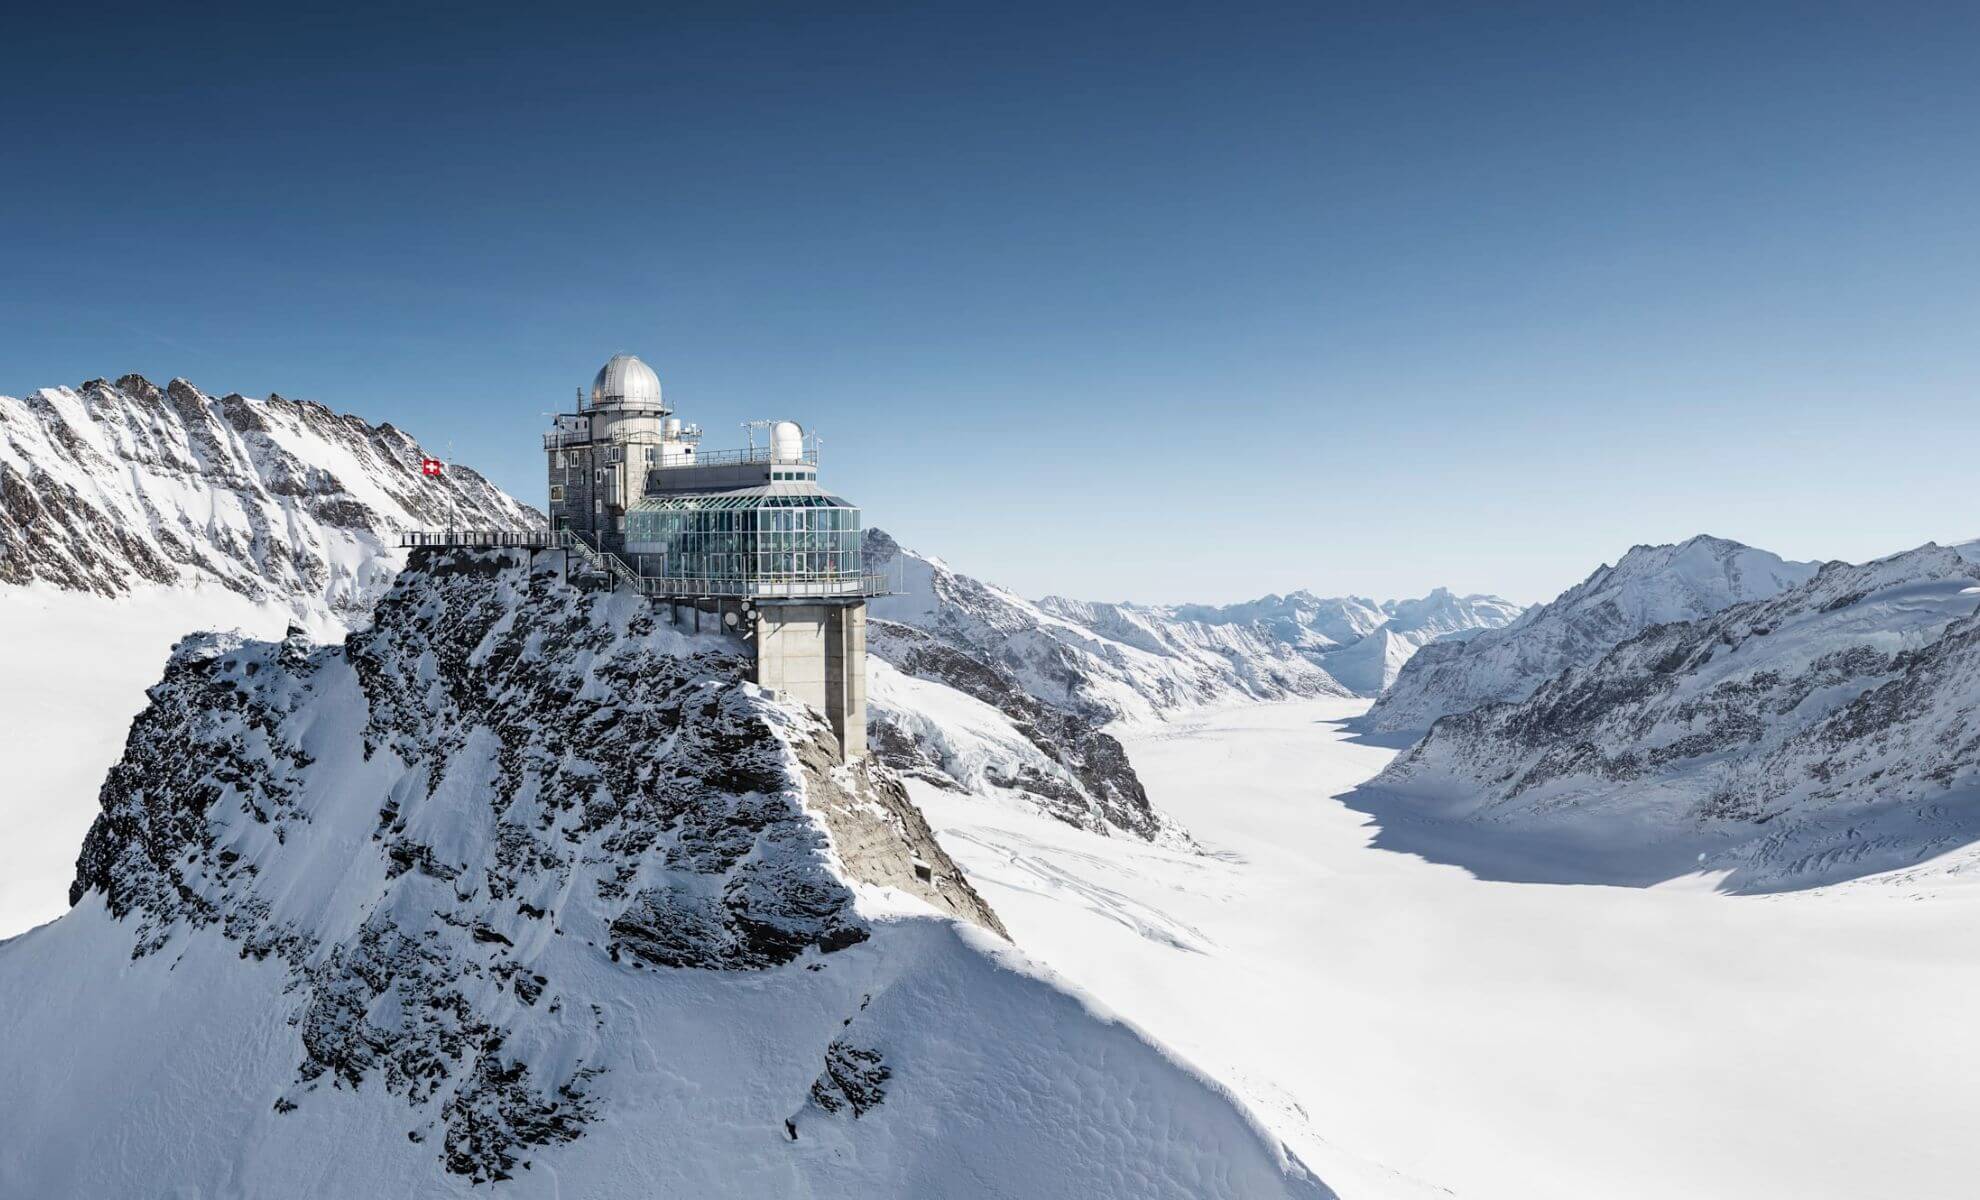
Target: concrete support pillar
817, 653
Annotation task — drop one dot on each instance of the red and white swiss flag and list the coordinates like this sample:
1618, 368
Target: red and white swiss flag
430, 466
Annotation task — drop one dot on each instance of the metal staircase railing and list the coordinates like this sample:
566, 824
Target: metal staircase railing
602, 561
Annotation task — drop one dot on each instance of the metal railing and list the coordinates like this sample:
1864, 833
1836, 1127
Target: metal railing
744, 458
477, 539
600, 561
557, 439
731, 588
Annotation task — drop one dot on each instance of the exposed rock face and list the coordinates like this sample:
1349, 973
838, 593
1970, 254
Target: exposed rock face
1023, 695
112, 486
1651, 585
1830, 731
536, 763
1074, 771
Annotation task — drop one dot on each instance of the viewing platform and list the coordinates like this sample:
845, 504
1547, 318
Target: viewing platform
799, 585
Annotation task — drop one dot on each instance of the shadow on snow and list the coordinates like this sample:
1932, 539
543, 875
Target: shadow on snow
1791, 853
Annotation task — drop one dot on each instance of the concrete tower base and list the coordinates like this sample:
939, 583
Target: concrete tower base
816, 652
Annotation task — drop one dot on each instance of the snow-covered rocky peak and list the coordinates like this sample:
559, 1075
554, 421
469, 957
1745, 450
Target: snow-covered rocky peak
108, 487
1648, 586
522, 886
1829, 731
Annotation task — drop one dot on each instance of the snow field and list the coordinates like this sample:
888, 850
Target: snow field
1411, 1030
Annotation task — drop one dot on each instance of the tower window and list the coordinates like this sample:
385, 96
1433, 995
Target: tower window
556, 493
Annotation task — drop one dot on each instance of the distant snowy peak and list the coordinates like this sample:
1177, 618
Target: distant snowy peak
112, 486
1105, 661
1828, 731
1297, 619
1650, 585
1443, 614
1360, 643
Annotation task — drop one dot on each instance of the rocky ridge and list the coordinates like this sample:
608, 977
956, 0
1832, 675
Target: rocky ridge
113, 486
1648, 586
624, 789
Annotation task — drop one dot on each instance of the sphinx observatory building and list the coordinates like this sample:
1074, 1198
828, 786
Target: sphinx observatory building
745, 540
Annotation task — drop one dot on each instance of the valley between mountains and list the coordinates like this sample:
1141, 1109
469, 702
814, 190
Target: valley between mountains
1412, 1030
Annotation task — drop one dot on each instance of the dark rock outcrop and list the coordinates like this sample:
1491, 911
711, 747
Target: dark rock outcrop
510, 761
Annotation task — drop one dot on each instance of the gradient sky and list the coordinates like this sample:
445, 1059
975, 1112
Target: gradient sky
1118, 301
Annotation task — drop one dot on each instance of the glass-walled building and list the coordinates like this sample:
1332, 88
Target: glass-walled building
765, 542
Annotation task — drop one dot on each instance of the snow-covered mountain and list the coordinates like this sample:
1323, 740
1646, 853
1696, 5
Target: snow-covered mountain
1648, 586
982, 690
1104, 660
1360, 643
131, 516
521, 886
111, 487
1830, 731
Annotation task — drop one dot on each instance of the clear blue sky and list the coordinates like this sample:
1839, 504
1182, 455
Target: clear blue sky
1129, 301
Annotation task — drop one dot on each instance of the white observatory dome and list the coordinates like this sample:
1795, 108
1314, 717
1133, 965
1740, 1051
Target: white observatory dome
787, 442
625, 382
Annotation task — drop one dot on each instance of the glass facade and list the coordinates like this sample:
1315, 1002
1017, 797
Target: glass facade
748, 543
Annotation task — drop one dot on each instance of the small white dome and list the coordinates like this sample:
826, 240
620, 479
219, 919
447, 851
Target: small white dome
625, 382
787, 442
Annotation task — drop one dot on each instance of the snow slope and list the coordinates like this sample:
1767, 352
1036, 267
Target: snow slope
521, 891
1648, 586
74, 667
940, 713
131, 516
1830, 731
1043, 687
1413, 1031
